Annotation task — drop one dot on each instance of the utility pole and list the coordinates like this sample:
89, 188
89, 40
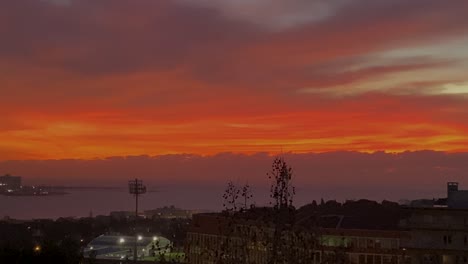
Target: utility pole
136, 188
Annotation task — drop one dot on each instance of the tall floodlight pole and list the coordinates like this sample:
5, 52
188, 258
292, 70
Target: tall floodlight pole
136, 188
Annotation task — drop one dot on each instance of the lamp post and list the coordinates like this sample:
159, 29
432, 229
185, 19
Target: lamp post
136, 188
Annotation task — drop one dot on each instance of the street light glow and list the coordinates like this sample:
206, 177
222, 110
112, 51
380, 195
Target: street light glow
37, 248
121, 240
140, 238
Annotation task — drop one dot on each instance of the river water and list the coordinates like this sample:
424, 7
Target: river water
79, 203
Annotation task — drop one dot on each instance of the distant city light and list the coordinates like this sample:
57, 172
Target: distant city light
91, 248
37, 248
81, 240
121, 240
155, 238
140, 238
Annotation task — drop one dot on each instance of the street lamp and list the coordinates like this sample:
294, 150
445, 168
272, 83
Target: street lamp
37, 248
136, 188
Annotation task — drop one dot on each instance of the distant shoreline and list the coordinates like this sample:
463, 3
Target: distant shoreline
35, 195
85, 188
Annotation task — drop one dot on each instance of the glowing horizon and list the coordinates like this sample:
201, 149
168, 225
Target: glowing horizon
82, 80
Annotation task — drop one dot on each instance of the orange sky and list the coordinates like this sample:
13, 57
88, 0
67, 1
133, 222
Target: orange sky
86, 79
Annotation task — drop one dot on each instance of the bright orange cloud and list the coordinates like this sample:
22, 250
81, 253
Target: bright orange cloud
86, 79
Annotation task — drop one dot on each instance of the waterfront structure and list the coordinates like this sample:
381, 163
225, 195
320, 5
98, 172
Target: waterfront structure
8, 182
12, 186
169, 212
166, 212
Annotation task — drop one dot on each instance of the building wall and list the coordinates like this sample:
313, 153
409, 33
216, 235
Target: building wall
431, 236
458, 199
438, 235
206, 243
205, 249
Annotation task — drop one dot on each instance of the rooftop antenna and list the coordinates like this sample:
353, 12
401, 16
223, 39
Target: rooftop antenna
136, 188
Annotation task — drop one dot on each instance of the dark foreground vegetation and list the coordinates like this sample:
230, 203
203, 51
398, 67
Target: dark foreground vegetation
62, 241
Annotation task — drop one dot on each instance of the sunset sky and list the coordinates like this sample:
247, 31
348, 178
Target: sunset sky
85, 79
